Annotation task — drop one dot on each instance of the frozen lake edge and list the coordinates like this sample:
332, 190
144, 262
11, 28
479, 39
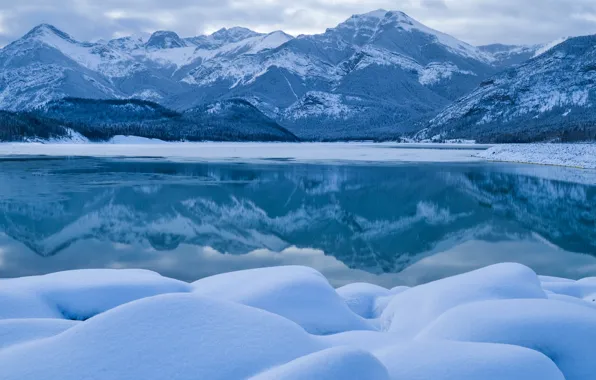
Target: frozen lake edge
254, 152
570, 155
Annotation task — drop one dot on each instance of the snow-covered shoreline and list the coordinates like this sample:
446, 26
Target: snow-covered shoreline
254, 152
571, 155
567, 155
499, 322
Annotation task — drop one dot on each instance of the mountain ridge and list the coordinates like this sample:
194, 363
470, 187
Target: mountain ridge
297, 81
549, 97
376, 75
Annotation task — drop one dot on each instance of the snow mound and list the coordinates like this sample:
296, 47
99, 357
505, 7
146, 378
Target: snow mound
334, 363
15, 331
458, 361
411, 311
583, 289
15, 304
363, 299
299, 294
560, 330
81, 294
176, 336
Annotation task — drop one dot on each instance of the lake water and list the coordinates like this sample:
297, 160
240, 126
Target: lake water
386, 224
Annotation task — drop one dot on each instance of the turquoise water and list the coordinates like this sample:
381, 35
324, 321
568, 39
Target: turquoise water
392, 225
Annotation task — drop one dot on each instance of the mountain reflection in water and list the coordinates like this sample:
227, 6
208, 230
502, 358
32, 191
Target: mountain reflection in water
397, 224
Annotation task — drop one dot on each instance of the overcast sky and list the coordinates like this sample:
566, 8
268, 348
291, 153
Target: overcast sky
474, 21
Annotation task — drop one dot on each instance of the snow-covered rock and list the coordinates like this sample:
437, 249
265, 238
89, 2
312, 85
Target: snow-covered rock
83, 294
22, 330
299, 294
411, 311
456, 361
334, 363
564, 332
18, 304
494, 323
181, 336
366, 300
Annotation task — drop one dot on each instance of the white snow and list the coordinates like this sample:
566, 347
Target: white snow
257, 152
574, 155
493, 323
335, 363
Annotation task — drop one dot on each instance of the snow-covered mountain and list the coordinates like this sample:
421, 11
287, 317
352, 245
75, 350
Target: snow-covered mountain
551, 96
372, 75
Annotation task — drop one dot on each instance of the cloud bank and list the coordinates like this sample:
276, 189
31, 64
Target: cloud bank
474, 21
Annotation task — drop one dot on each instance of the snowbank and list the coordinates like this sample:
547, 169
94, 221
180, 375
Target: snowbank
574, 155
499, 322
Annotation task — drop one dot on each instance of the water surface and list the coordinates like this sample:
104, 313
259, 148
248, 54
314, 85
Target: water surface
387, 224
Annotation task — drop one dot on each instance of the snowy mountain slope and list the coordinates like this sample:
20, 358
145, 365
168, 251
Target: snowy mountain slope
505, 56
550, 96
373, 75
48, 64
381, 69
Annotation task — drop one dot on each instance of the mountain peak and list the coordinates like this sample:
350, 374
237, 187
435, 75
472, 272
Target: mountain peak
379, 13
43, 30
163, 39
234, 34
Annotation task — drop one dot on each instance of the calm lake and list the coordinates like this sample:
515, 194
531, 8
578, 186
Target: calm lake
387, 224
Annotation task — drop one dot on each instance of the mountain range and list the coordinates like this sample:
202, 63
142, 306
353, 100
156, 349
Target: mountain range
377, 75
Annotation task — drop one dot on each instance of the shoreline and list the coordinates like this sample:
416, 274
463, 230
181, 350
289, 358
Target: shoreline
578, 156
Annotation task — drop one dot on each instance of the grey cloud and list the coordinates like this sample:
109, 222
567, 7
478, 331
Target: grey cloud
474, 21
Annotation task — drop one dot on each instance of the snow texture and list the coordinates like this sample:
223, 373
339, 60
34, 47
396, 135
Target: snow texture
574, 155
499, 322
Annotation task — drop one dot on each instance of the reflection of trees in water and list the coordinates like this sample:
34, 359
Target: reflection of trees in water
370, 217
